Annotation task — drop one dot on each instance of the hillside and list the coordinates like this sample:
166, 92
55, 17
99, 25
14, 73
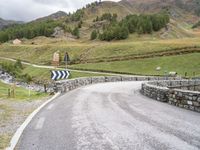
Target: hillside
81, 23
173, 41
181, 15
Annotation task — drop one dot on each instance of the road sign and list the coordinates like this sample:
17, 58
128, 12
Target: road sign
61, 74
66, 58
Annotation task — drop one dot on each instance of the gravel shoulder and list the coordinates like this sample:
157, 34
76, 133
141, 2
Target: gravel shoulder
12, 115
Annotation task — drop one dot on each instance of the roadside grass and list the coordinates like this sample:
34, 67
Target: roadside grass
39, 74
5, 112
182, 63
4, 141
42, 53
43, 75
20, 93
8, 108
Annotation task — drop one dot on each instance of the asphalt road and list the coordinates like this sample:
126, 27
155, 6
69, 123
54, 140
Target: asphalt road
111, 116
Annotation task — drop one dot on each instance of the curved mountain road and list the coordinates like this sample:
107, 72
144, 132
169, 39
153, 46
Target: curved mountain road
111, 116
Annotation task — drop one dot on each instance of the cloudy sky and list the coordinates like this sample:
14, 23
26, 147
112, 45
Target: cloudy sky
26, 10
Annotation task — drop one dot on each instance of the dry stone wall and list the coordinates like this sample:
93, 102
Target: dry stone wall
67, 85
185, 99
175, 93
155, 92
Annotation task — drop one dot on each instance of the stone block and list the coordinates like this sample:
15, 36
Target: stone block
196, 104
128, 78
113, 79
191, 107
98, 80
189, 102
198, 99
197, 109
180, 105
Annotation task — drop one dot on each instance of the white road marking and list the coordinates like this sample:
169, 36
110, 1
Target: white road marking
40, 123
50, 106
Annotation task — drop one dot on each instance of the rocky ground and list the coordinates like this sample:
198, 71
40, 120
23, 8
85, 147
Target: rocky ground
12, 115
8, 79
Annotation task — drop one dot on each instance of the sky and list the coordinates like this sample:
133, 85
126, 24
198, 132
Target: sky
27, 10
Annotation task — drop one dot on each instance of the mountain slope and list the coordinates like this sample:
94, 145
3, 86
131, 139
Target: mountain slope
181, 12
192, 6
54, 16
182, 17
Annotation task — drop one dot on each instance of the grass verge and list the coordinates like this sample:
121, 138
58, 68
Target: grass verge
182, 63
20, 93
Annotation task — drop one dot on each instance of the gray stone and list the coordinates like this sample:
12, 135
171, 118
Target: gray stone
196, 104
180, 105
198, 99
190, 98
191, 107
197, 109
189, 102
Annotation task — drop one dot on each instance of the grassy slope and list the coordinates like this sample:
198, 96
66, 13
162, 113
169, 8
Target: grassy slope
21, 93
42, 53
42, 49
44, 75
183, 63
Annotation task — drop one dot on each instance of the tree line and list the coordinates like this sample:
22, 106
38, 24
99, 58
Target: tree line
141, 24
29, 30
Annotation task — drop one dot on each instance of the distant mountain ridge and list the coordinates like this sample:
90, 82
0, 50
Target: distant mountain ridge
7, 23
54, 16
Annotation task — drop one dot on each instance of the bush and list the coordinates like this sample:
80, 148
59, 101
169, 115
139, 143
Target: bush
93, 35
75, 32
16, 71
10, 68
77, 15
26, 78
18, 64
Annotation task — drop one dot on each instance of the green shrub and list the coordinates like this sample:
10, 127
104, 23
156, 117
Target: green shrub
93, 35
